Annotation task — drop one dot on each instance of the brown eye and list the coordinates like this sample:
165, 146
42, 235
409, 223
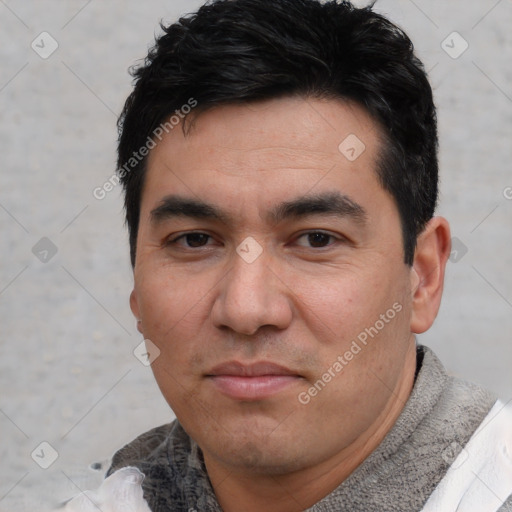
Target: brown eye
196, 239
319, 239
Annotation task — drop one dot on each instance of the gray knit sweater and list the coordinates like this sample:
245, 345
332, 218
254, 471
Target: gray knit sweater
441, 414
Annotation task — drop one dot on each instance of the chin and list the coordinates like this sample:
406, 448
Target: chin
258, 455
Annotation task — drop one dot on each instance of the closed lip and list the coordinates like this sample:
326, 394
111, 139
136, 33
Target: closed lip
252, 382
258, 369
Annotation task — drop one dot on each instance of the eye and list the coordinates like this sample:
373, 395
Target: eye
317, 239
191, 240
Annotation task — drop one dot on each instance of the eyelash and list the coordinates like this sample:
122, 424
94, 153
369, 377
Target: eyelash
174, 241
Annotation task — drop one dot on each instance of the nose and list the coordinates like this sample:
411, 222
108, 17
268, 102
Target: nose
252, 296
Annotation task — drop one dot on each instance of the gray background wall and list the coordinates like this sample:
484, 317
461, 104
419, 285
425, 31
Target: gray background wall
68, 376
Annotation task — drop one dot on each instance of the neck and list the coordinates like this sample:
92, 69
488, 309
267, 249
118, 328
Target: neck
252, 492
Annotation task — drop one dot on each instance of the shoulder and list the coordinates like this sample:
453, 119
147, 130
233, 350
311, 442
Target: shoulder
172, 465
450, 416
450, 405
436, 423
145, 449
481, 474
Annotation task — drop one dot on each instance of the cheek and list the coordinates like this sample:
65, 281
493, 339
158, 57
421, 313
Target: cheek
344, 302
171, 309
173, 314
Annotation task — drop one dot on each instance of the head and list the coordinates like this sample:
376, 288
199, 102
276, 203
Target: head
238, 52
282, 214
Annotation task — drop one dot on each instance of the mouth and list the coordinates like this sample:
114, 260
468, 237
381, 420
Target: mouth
252, 382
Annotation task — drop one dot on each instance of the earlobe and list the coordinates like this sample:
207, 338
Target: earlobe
427, 273
134, 306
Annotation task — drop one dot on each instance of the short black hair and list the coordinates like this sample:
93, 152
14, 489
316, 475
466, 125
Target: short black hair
240, 51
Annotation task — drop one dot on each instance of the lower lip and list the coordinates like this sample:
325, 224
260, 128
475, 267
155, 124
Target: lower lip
252, 388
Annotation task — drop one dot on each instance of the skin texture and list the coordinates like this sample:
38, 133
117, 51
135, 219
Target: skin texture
299, 304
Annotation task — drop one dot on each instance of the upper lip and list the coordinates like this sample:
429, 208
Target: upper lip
250, 370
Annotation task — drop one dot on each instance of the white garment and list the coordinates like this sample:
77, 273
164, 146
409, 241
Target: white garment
480, 478
120, 492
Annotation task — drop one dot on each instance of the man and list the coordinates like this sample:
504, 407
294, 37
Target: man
279, 160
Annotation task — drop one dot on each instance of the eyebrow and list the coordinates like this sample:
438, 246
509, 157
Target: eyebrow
331, 203
177, 206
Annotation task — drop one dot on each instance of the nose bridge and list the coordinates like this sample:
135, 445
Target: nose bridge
249, 276
250, 294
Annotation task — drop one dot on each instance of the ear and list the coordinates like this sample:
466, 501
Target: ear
134, 306
427, 273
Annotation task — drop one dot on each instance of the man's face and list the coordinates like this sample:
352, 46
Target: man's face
260, 243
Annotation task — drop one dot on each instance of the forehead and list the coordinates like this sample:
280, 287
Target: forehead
267, 151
